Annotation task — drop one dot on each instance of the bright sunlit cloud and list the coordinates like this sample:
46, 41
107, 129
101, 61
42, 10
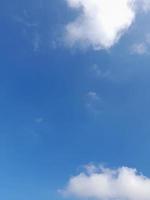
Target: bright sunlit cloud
101, 23
108, 184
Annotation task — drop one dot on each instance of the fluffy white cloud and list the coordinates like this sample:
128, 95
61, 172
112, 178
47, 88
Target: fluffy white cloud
106, 184
101, 23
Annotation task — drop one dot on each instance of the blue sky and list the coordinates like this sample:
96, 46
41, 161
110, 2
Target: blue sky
62, 107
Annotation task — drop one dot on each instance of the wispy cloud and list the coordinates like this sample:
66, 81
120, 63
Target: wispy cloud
39, 120
98, 72
36, 42
93, 102
30, 29
145, 5
141, 48
108, 184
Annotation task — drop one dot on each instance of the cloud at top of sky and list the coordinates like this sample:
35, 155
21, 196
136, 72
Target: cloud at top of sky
108, 184
101, 23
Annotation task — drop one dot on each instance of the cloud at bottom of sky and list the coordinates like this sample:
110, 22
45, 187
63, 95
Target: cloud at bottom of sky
101, 23
109, 184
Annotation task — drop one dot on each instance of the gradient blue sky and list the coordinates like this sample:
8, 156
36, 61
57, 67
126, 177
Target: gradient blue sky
61, 108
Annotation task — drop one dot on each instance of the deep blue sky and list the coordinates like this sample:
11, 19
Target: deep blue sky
47, 130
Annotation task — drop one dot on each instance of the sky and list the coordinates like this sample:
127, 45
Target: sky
74, 99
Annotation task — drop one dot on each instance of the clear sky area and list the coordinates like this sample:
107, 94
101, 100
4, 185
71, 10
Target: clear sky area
74, 99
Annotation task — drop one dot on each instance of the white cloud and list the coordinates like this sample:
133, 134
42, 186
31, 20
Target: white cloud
101, 23
107, 184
